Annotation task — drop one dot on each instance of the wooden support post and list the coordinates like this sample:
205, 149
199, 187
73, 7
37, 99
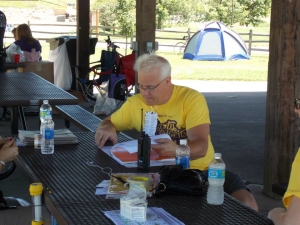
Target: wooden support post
145, 24
282, 129
145, 27
83, 37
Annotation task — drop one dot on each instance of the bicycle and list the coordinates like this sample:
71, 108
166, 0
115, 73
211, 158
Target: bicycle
180, 46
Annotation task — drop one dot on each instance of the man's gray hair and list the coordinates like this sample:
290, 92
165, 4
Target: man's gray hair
148, 62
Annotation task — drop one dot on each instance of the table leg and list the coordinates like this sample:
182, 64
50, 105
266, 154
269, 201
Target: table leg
21, 112
14, 120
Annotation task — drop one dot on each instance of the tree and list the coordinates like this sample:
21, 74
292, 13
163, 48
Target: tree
255, 10
125, 11
245, 11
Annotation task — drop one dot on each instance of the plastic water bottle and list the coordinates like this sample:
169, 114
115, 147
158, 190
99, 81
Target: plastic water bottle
183, 154
45, 109
47, 145
216, 179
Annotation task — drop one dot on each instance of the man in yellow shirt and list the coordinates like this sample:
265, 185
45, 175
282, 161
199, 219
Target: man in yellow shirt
181, 112
291, 198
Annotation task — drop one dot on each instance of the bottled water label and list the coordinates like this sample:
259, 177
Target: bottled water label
216, 173
43, 113
184, 161
48, 134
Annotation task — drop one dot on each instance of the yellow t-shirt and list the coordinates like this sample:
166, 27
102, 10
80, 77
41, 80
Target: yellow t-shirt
186, 109
294, 183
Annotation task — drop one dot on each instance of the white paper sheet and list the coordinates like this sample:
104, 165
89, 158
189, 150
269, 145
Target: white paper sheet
157, 216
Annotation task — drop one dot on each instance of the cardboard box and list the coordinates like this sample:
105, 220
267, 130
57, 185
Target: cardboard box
45, 69
53, 42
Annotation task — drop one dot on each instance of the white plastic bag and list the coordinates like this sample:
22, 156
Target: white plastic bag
62, 68
104, 105
11, 50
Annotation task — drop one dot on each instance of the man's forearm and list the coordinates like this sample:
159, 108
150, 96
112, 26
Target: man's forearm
105, 124
198, 149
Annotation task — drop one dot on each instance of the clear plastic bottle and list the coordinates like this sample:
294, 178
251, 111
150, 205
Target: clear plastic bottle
47, 145
45, 109
216, 179
183, 154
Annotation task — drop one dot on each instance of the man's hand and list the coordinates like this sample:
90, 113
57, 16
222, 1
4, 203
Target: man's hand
9, 151
165, 147
106, 131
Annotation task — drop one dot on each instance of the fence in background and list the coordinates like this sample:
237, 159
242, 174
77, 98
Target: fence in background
166, 38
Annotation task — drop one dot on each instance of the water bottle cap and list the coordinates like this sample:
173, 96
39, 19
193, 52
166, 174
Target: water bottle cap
218, 155
45, 101
183, 142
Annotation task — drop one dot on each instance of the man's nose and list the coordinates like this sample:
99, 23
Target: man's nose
144, 92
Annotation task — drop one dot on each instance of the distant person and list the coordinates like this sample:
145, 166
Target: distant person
291, 198
25, 40
14, 32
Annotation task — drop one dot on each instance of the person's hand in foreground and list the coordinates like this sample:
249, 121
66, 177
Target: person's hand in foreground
291, 216
3, 141
106, 132
9, 151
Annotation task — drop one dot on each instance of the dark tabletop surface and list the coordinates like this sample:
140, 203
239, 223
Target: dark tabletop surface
13, 65
26, 88
69, 185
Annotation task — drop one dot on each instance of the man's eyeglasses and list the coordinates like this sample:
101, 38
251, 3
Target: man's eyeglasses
149, 88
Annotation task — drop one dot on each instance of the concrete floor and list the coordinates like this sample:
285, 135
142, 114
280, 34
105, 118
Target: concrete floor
237, 131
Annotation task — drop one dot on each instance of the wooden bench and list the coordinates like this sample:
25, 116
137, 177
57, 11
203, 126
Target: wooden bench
279, 188
82, 118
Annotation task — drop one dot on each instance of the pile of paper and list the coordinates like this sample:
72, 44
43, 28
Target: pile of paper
61, 136
126, 153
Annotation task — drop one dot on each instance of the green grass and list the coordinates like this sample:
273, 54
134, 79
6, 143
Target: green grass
254, 69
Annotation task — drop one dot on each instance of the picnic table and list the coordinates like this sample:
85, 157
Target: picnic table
28, 89
69, 184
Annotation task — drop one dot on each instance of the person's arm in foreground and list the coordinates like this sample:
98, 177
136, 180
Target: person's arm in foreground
198, 143
8, 152
291, 216
106, 131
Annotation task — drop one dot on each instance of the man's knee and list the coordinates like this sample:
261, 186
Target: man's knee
235, 187
244, 196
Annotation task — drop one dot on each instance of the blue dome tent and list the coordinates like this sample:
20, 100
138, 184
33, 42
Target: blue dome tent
217, 43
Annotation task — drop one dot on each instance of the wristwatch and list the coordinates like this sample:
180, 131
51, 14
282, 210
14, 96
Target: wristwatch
3, 164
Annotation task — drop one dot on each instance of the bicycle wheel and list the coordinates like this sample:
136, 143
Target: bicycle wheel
86, 89
8, 170
179, 48
86, 84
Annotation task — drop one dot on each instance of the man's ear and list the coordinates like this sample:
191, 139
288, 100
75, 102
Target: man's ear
168, 80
